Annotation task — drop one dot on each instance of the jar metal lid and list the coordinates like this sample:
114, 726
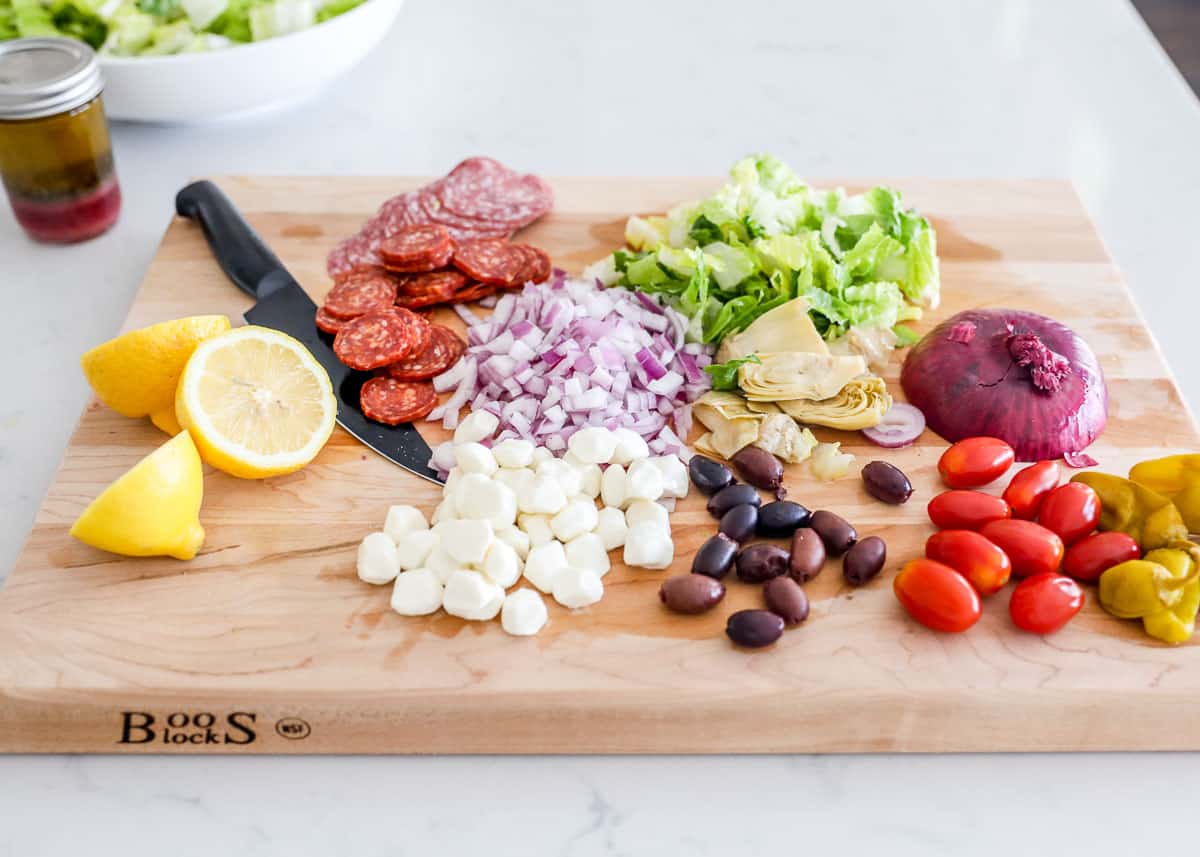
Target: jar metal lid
45, 76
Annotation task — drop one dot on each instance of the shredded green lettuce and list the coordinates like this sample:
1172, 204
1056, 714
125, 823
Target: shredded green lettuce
765, 238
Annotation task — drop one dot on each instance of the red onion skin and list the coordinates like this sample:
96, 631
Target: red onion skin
976, 388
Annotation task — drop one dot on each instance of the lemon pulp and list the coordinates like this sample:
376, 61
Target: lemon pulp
257, 402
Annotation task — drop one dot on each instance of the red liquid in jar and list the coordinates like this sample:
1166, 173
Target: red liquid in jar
64, 221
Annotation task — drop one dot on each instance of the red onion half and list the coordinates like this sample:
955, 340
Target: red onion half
1019, 376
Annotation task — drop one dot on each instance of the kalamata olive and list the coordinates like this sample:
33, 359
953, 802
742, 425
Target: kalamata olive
707, 475
754, 628
786, 599
715, 557
758, 563
886, 482
691, 593
808, 555
759, 468
834, 530
864, 560
730, 496
740, 522
781, 518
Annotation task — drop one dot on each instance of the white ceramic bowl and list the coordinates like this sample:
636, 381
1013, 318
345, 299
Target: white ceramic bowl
245, 78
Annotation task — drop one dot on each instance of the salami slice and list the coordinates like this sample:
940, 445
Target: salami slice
375, 339
386, 400
418, 247
486, 190
328, 323
489, 260
444, 350
360, 292
460, 228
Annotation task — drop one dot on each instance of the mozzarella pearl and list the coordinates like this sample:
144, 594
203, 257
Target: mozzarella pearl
611, 527
578, 516
501, 564
413, 548
648, 545
470, 595
587, 551
417, 593
524, 613
377, 560
476, 426
577, 587
630, 447
403, 519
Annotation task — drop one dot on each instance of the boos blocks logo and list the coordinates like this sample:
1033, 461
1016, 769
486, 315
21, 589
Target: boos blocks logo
202, 728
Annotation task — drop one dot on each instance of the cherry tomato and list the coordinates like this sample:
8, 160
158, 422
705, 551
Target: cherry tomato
966, 510
937, 596
984, 565
1090, 557
1029, 488
1071, 510
1045, 602
975, 461
1031, 548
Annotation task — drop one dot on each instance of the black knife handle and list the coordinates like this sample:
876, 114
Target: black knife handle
241, 253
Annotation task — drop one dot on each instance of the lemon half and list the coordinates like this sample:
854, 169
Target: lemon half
151, 510
256, 402
136, 374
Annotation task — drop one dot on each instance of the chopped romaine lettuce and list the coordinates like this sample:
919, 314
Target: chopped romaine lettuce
280, 18
725, 375
134, 27
201, 13
766, 237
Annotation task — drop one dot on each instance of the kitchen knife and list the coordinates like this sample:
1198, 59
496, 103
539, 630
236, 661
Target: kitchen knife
284, 305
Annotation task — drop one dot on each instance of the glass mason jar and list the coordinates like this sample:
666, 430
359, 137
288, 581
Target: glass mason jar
55, 157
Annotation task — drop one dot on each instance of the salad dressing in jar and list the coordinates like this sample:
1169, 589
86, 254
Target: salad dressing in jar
55, 157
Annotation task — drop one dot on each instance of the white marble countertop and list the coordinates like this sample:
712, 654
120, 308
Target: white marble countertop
1074, 88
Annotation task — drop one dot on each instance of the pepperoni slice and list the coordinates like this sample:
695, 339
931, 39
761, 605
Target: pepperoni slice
375, 339
417, 247
444, 350
421, 333
473, 292
360, 292
441, 283
328, 323
536, 268
386, 400
489, 260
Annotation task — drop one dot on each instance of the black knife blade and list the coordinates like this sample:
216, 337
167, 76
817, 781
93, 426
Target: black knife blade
283, 305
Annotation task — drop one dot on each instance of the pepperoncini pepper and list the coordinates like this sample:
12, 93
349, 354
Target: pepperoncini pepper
1151, 519
1162, 589
1176, 477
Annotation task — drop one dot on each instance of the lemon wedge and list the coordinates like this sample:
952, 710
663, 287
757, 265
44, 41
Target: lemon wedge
136, 374
256, 402
151, 510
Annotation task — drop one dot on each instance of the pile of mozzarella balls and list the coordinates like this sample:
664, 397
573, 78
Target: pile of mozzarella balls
511, 510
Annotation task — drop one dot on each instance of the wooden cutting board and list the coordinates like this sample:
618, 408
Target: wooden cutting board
268, 642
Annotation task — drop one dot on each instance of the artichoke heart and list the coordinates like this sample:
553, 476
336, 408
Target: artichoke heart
731, 425
785, 328
859, 405
786, 375
779, 435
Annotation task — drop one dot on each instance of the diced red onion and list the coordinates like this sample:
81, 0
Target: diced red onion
463, 312
555, 357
